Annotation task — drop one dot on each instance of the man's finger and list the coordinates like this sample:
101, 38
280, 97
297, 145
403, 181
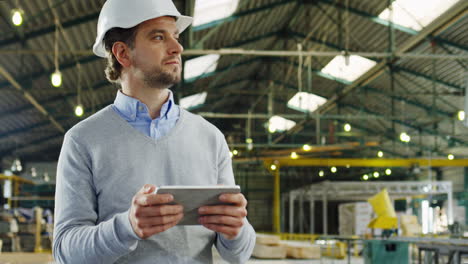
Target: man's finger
147, 188
233, 198
151, 211
229, 210
221, 220
146, 222
153, 199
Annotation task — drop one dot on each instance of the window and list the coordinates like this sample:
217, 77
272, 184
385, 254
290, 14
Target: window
193, 101
279, 124
350, 71
416, 14
207, 11
200, 65
306, 102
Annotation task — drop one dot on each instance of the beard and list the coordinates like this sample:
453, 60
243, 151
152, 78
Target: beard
158, 78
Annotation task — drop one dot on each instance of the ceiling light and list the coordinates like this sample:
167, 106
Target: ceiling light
450, 156
376, 174
461, 115
235, 152
79, 111
380, 154
347, 127
333, 169
17, 17
56, 78
306, 147
273, 167
405, 137
294, 155
365, 177
321, 173
388, 171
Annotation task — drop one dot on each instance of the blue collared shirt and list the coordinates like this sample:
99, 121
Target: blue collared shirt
137, 115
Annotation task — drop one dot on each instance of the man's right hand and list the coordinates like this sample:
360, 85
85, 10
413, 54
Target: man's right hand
150, 214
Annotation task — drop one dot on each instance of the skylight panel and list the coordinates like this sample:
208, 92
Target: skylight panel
207, 11
200, 65
193, 101
306, 102
356, 67
279, 124
416, 14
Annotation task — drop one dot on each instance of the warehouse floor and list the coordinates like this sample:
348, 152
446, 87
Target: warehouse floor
44, 258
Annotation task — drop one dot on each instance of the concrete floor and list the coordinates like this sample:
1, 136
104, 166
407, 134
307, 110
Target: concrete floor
45, 258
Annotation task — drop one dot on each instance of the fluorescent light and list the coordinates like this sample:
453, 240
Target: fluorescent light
210, 10
425, 216
321, 173
278, 123
461, 115
306, 102
193, 101
416, 14
348, 69
200, 65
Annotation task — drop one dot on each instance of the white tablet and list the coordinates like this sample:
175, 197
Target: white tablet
194, 197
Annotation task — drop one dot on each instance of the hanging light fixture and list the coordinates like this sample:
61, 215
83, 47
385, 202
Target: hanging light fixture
347, 127
56, 77
79, 109
17, 16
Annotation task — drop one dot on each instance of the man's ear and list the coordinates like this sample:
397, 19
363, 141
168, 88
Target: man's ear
121, 52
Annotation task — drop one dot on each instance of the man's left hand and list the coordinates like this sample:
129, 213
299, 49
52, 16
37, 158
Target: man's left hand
225, 219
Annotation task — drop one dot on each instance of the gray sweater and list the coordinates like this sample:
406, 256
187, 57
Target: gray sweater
104, 162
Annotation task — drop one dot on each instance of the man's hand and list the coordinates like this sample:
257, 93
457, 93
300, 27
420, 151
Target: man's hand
150, 214
225, 219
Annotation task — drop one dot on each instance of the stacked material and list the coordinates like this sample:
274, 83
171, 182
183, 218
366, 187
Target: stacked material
269, 246
301, 250
410, 225
272, 247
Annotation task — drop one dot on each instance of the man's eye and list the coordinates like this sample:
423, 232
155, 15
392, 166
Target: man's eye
159, 37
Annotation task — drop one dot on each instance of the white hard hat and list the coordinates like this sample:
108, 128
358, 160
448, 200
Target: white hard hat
129, 13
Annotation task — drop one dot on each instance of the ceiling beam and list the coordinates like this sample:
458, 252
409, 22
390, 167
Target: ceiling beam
442, 21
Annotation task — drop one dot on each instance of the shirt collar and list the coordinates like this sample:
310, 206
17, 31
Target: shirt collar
129, 106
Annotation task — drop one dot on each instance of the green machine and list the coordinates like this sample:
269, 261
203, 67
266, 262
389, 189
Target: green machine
378, 251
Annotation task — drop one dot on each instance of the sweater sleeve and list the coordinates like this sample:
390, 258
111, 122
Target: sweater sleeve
239, 249
77, 236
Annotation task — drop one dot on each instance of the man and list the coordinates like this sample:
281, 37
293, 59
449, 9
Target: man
110, 164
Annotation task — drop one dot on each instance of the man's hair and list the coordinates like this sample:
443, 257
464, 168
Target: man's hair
125, 35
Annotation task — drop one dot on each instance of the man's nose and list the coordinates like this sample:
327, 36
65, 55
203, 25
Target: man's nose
175, 47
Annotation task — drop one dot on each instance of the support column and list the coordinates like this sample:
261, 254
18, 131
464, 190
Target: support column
291, 212
301, 214
276, 201
324, 213
312, 215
